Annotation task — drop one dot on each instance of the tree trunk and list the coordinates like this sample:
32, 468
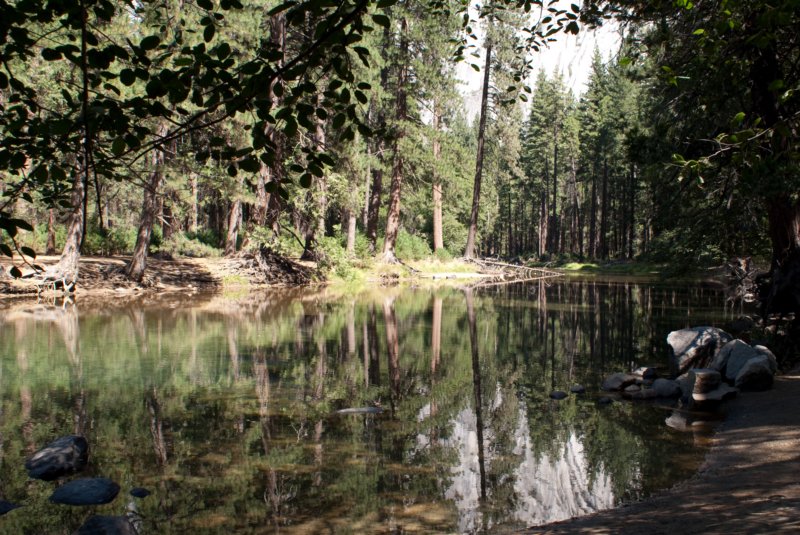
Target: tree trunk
234, 222
50, 248
401, 109
604, 214
782, 295
193, 180
135, 270
593, 218
67, 267
438, 243
351, 231
469, 251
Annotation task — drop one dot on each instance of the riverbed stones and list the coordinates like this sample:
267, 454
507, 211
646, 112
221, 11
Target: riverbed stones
107, 525
87, 491
696, 347
558, 395
63, 456
577, 389
618, 381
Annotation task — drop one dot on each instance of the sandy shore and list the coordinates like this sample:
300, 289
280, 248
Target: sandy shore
749, 483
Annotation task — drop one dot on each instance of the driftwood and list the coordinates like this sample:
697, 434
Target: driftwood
519, 273
530, 272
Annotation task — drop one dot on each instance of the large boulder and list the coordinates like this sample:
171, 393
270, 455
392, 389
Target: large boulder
88, 491
696, 347
756, 374
732, 357
61, 457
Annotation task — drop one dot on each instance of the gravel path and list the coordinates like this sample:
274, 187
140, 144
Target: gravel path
749, 483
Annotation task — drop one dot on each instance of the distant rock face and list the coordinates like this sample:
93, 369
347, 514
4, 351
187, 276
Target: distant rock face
63, 456
107, 525
618, 381
696, 347
88, 491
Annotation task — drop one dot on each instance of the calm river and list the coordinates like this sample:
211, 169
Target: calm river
225, 406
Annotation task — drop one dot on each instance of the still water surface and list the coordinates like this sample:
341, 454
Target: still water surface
225, 407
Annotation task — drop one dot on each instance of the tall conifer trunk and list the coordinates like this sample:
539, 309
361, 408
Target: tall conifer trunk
469, 251
401, 110
438, 243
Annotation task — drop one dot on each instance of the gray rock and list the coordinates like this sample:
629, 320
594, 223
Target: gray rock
558, 395
756, 374
645, 372
685, 383
88, 491
704, 380
7, 506
773, 362
696, 347
605, 401
721, 393
736, 354
577, 389
632, 389
61, 457
618, 381
666, 388
107, 525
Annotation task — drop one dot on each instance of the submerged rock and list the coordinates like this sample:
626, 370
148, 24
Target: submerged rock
5, 507
577, 389
87, 491
139, 492
558, 395
107, 525
605, 401
696, 347
61, 457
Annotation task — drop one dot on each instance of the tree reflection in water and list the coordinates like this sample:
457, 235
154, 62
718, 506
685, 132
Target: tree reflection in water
240, 400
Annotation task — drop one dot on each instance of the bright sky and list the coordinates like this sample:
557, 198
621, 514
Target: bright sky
570, 54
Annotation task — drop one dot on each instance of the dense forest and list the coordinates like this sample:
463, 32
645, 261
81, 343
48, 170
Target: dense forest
336, 131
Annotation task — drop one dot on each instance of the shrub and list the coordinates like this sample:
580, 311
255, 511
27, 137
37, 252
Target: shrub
410, 247
180, 244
